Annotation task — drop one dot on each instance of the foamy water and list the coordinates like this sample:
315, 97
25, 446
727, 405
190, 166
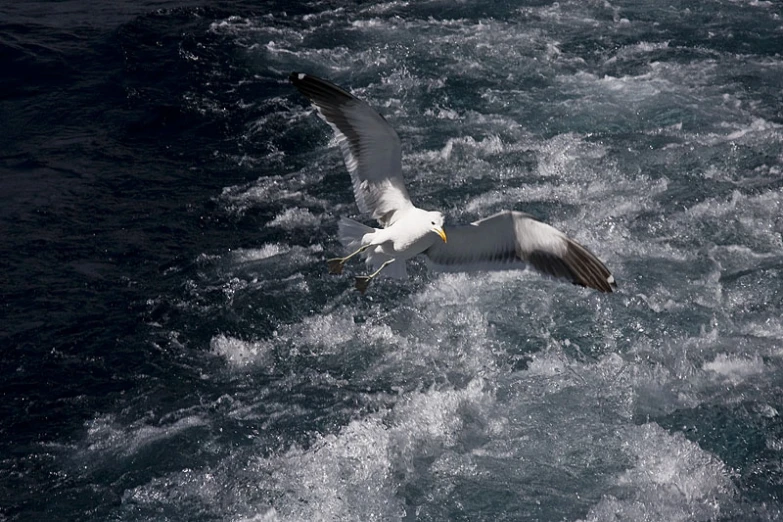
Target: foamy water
492, 396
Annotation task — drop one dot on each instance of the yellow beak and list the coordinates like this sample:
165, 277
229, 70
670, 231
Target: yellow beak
441, 233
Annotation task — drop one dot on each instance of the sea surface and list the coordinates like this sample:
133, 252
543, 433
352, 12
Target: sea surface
173, 348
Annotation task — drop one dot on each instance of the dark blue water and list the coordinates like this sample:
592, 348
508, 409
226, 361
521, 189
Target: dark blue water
173, 348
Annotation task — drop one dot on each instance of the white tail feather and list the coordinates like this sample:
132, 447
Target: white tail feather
351, 234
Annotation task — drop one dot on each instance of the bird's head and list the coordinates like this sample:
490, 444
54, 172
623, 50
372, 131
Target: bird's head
436, 223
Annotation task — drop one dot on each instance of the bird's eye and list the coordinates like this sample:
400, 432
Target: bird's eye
433, 223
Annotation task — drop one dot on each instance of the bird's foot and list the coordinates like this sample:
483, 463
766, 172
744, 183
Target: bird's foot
336, 265
362, 282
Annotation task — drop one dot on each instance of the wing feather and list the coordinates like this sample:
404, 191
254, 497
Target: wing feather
370, 147
510, 240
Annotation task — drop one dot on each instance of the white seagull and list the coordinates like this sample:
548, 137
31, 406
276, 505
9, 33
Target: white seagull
372, 154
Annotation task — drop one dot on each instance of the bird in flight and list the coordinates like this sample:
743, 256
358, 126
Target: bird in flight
372, 153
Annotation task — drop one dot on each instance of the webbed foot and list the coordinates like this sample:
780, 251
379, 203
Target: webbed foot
335, 265
362, 282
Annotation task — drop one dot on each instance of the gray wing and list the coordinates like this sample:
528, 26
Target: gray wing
370, 147
514, 239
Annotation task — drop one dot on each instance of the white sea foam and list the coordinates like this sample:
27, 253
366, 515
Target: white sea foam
293, 218
353, 475
106, 436
670, 479
506, 391
733, 368
245, 255
295, 189
239, 353
560, 424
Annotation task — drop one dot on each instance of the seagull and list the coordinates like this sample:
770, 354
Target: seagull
373, 156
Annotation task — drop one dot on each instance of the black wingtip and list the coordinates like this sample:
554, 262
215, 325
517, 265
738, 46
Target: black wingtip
588, 270
578, 265
322, 93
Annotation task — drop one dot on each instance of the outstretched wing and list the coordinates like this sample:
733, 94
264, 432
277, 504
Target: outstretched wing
370, 147
512, 240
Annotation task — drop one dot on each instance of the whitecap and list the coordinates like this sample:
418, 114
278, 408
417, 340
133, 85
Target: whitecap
293, 218
240, 354
670, 478
734, 368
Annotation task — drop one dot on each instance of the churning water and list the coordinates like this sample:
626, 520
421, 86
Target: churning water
174, 349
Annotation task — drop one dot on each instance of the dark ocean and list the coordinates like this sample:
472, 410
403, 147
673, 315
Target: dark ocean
173, 348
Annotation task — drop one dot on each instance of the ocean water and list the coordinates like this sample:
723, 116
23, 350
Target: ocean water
174, 348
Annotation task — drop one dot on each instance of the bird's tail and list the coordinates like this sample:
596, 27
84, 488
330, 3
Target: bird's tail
351, 233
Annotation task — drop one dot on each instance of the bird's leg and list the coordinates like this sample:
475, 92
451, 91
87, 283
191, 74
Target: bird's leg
362, 282
336, 263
